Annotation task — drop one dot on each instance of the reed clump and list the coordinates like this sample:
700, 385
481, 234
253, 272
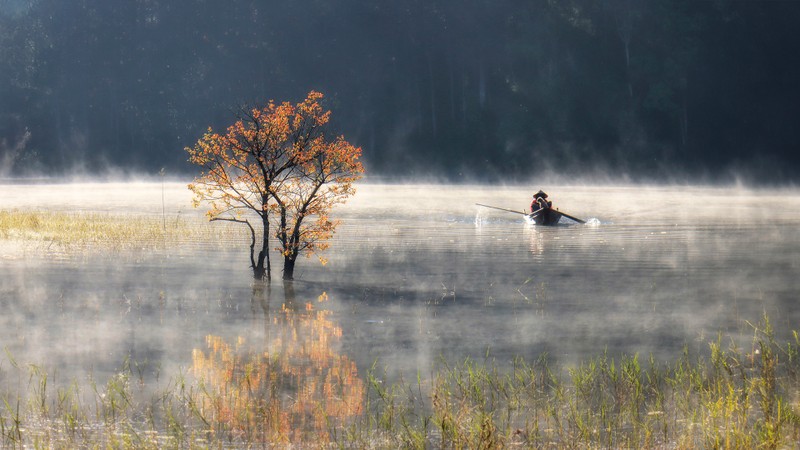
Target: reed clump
723, 397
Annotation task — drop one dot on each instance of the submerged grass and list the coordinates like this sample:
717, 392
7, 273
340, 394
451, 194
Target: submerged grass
725, 397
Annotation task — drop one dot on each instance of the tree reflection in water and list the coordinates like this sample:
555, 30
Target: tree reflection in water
292, 388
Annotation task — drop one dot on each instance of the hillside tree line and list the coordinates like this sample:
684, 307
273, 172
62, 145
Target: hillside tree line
461, 89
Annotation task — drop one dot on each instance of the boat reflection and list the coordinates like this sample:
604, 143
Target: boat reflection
293, 387
536, 240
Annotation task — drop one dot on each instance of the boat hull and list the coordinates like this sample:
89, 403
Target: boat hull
548, 217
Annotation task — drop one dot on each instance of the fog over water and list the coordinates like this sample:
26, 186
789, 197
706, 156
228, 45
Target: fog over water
415, 273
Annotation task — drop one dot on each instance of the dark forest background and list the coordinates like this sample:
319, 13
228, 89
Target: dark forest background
462, 89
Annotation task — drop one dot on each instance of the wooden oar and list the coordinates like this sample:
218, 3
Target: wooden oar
570, 217
503, 209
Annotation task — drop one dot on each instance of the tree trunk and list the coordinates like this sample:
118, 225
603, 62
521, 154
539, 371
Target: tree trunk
481, 86
684, 118
624, 16
288, 266
434, 124
260, 272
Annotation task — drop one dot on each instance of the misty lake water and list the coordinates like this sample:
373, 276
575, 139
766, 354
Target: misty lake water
416, 274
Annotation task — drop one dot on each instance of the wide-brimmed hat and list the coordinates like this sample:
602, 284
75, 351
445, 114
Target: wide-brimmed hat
540, 194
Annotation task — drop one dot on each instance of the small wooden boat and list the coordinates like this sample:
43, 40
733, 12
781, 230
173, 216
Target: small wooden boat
547, 217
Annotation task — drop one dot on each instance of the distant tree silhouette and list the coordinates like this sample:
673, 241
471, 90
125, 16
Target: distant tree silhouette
489, 88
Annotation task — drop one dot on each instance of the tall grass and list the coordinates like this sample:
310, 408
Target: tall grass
723, 397
71, 231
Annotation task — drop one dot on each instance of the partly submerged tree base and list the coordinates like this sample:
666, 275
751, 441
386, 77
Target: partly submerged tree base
260, 274
288, 269
260, 271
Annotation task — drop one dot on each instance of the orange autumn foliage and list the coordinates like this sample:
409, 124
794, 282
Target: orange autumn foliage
326, 178
277, 162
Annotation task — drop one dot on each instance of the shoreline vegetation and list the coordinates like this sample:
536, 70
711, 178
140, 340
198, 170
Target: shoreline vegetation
725, 397
239, 396
64, 231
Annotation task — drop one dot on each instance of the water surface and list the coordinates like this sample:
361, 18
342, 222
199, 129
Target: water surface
416, 274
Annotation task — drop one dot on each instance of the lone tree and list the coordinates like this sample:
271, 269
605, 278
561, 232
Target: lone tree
277, 162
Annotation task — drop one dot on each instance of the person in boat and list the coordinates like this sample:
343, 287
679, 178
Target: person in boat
540, 202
